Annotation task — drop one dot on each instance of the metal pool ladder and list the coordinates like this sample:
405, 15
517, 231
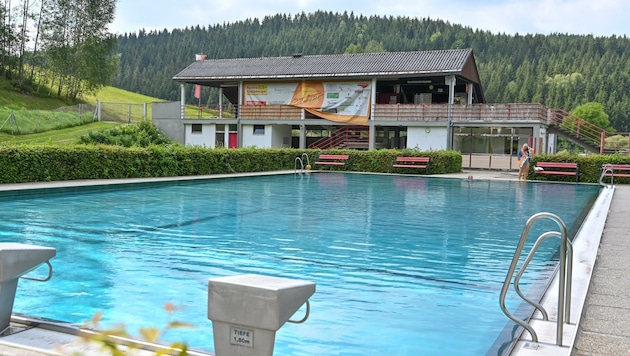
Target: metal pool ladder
300, 161
607, 168
564, 276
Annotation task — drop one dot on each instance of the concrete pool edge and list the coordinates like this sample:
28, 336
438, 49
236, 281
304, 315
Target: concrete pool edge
35, 337
585, 249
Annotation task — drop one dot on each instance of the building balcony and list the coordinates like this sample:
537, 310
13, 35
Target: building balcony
414, 113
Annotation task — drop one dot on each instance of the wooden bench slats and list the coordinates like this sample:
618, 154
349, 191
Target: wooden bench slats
568, 165
412, 162
615, 170
568, 168
408, 166
332, 160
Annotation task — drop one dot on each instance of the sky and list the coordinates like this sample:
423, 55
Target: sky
600, 18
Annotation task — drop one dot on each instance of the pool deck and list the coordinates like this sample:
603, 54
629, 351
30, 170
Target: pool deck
600, 317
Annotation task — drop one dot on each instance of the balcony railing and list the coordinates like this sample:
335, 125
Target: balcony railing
460, 113
415, 112
270, 112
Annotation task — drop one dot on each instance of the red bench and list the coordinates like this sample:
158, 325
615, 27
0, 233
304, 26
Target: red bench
561, 168
616, 170
412, 162
332, 160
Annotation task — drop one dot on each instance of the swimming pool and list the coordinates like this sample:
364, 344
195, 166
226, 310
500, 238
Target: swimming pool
403, 265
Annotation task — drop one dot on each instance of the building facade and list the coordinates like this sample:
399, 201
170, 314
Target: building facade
425, 100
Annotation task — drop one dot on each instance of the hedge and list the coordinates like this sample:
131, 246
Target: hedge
589, 167
22, 164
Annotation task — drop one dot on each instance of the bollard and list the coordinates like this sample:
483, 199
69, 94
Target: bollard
17, 260
247, 310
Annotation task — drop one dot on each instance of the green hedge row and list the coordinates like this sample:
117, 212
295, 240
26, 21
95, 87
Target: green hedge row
22, 164
589, 167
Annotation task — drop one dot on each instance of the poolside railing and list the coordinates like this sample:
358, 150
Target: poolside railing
564, 276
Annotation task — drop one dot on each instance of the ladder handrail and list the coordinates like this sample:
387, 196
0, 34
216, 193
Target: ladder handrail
295, 165
563, 296
305, 155
607, 168
530, 256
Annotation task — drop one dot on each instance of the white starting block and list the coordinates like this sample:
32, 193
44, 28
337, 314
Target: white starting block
247, 310
17, 260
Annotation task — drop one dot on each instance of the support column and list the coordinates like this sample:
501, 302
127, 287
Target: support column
372, 133
220, 102
239, 126
450, 81
182, 102
302, 129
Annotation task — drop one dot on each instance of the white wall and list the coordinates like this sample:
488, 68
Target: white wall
419, 138
281, 136
272, 138
256, 140
206, 138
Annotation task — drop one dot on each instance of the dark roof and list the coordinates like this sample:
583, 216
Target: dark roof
385, 64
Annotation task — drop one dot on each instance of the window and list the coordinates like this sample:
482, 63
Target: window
196, 128
259, 129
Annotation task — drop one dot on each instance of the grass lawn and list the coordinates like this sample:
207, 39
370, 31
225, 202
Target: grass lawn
56, 137
11, 100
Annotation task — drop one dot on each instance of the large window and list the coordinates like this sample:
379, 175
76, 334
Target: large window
489, 140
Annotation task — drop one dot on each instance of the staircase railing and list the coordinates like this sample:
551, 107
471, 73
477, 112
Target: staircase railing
578, 127
346, 136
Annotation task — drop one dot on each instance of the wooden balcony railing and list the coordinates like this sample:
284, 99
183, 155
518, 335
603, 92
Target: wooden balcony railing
415, 112
460, 113
273, 112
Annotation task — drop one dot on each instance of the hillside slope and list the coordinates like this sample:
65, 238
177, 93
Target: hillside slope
558, 70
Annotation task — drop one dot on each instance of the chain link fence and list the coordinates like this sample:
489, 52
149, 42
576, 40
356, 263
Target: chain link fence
22, 122
121, 112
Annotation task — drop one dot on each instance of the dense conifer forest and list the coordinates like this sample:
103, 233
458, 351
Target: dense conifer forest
557, 70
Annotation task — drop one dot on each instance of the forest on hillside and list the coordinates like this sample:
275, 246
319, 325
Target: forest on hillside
557, 70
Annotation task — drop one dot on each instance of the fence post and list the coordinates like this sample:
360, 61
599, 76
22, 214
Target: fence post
98, 110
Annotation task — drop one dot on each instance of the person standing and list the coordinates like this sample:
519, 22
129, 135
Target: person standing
524, 156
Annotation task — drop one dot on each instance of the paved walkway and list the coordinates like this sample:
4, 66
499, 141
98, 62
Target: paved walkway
605, 326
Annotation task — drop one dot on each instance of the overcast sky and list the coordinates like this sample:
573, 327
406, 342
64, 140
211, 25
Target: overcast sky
594, 17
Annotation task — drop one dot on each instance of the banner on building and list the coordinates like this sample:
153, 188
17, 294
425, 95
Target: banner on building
347, 102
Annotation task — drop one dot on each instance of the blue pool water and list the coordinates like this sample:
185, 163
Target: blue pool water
403, 265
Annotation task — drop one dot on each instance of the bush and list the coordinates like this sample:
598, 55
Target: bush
143, 134
589, 166
23, 164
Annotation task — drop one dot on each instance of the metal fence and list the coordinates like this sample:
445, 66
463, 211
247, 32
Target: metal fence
121, 112
33, 121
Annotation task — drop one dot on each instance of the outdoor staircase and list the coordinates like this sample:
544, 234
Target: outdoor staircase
577, 130
353, 137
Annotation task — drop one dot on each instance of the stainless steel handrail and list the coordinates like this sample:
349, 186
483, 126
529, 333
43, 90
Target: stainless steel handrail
298, 159
608, 168
50, 274
569, 272
304, 155
308, 312
564, 282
